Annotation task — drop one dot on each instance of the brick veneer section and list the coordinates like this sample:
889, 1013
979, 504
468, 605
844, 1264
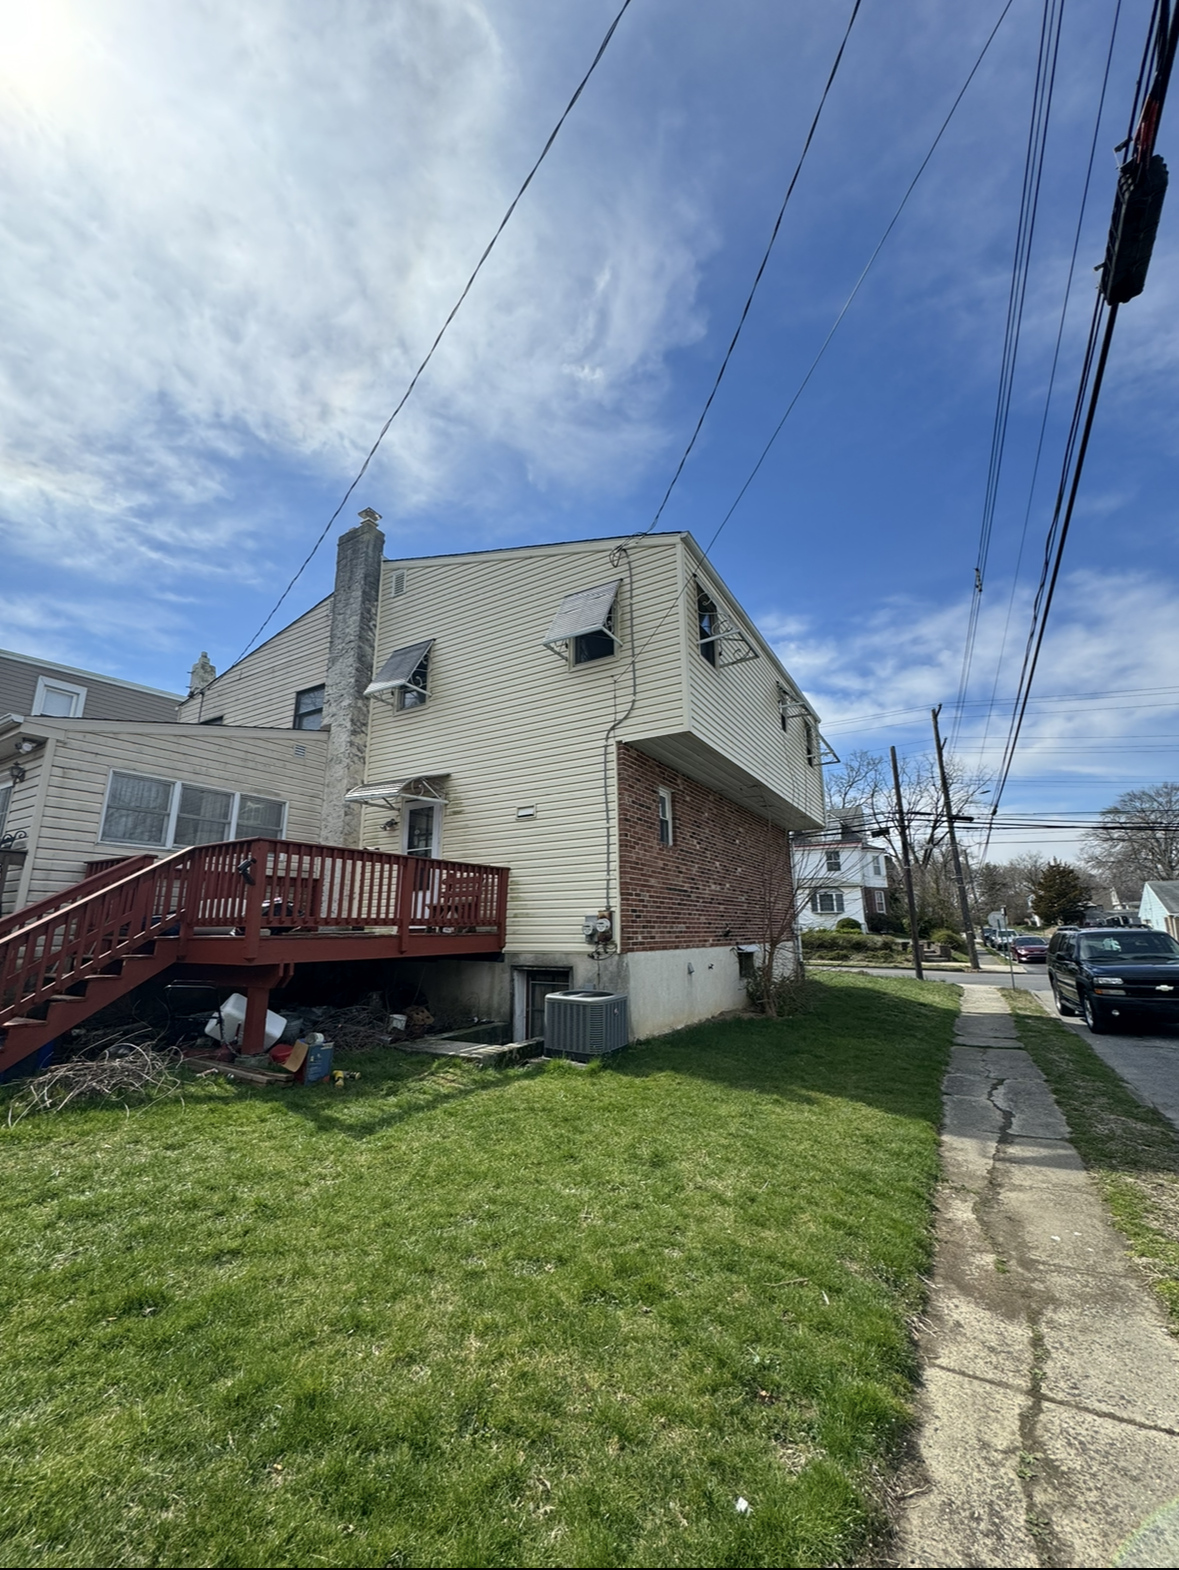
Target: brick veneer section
685, 895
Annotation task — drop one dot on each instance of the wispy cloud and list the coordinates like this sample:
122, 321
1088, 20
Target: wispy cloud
233, 234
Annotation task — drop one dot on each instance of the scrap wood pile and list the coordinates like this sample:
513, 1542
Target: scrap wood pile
112, 1065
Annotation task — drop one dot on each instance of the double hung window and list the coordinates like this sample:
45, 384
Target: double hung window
143, 810
834, 861
308, 709
827, 902
665, 823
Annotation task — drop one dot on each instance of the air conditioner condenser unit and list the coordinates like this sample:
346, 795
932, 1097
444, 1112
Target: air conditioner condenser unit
583, 1025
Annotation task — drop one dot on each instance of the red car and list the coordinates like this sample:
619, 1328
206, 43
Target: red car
1027, 950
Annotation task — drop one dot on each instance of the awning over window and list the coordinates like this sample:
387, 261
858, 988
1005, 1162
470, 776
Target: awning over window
584, 612
399, 667
422, 787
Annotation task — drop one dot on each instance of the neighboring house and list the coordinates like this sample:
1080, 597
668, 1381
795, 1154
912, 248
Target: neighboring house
599, 716
840, 872
1159, 907
31, 686
83, 790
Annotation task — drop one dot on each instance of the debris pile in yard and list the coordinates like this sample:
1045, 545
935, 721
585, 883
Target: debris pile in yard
367, 1026
124, 1067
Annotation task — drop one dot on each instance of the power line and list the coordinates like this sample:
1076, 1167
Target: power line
454, 310
1068, 287
724, 365
1033, 170
800, 389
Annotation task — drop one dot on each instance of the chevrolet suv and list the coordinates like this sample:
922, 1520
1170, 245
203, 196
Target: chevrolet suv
1112, 974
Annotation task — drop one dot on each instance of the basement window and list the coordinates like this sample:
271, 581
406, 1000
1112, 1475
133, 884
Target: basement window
405, 675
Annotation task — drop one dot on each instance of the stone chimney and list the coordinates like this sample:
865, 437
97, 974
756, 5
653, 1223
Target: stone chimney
350, 669
202, 675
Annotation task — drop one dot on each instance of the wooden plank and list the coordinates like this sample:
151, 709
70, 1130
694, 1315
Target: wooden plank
231, 1071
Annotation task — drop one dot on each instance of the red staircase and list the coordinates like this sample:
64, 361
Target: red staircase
242, 913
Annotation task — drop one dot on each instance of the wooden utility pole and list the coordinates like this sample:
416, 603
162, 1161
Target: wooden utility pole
907, 866
967, 924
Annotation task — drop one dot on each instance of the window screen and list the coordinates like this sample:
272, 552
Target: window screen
203, 817
309, 709
137, 810
259, 818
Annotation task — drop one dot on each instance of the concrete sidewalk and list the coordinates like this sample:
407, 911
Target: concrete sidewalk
1050, 1410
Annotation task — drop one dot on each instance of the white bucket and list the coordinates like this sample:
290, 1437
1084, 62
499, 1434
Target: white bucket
233, 1014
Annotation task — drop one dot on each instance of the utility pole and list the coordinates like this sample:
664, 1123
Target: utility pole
907, 866
967, 924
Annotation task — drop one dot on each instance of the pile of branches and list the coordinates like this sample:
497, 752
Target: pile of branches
123, 1066
366, 1026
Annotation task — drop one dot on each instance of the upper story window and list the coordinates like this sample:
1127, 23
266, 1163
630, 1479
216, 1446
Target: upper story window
707, 625
584, 628
406, 675
878, 866
143, 810
665, 820
812, 748
834, 861
58, 699
308, 709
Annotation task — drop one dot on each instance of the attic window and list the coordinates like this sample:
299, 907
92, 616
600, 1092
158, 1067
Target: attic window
583, 628
405, 674
58, 699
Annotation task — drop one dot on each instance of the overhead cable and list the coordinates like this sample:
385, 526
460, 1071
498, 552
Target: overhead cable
728, 355
1033, 170
453, 312
1141, 184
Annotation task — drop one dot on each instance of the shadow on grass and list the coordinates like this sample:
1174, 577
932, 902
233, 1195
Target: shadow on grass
855, 1040
883, 1043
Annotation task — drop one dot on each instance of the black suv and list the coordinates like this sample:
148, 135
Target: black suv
1110, 974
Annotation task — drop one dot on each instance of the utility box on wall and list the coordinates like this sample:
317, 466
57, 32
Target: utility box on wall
583, 1025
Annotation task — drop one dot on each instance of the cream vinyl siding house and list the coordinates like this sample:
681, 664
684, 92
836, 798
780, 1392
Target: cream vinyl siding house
516, 735
60, 803
261, 689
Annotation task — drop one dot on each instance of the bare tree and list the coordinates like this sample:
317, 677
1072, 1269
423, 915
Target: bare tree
1137, 840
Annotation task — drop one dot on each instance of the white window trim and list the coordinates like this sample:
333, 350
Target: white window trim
44, 683
409, 802
667, 816
168, 843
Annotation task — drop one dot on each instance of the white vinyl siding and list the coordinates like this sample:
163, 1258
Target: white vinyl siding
261, 689
260, 765
737, 709
511, 726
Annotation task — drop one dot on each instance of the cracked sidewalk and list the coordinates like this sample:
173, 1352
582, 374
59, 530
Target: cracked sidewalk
1049, 1416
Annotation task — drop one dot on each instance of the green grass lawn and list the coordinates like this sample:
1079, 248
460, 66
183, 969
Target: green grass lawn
1131, 1149
450, 1316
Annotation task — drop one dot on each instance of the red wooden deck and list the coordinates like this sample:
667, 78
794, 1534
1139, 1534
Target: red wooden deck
240, 913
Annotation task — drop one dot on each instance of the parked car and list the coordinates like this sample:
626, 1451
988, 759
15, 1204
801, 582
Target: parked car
1112, 974
1028, 949
1001, 938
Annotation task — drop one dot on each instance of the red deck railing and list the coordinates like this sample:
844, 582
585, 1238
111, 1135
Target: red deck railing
245, 888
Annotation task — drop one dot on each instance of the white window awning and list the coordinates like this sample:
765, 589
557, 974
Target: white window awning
399, 667
582, 613
419, 787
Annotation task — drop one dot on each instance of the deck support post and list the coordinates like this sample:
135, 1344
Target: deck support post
254, 1029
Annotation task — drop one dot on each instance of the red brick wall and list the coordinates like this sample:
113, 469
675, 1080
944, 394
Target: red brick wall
713, 877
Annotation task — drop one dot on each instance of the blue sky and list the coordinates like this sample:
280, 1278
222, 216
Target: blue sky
233, 232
